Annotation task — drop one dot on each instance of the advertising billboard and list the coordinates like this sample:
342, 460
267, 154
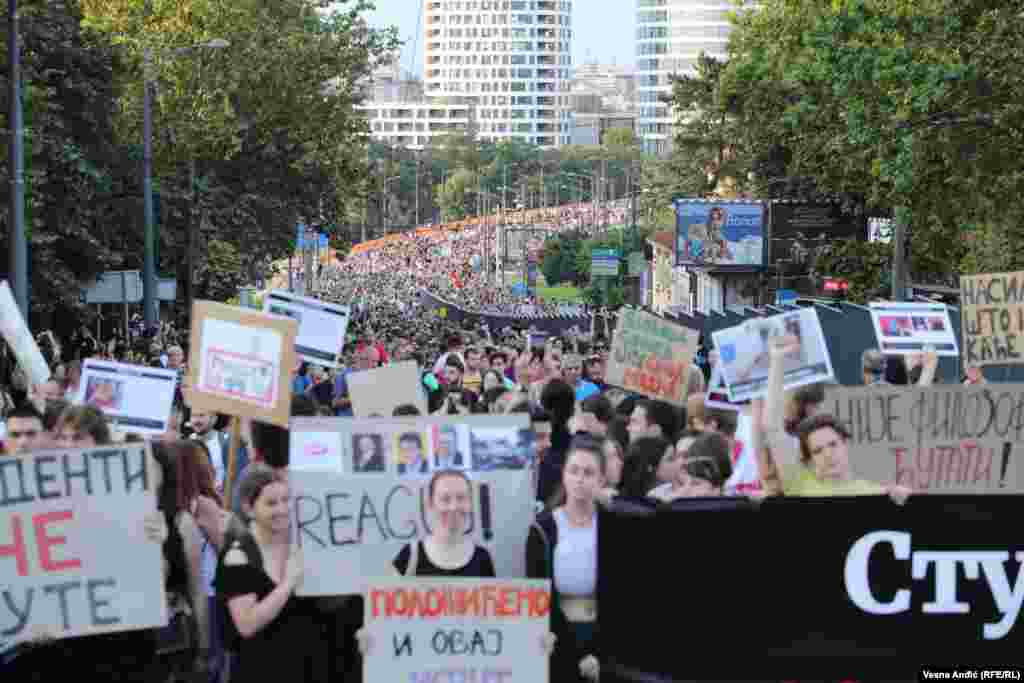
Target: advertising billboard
722, 233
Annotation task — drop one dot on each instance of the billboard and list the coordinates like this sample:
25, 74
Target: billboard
797, 229
722, 233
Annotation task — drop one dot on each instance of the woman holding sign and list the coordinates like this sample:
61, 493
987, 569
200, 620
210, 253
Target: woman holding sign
562, 546
447, 550
258, 574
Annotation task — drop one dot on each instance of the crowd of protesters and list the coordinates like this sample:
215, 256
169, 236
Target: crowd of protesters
230, 573
449, 262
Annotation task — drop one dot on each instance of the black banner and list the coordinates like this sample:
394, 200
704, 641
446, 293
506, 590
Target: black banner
836, 589
810, 226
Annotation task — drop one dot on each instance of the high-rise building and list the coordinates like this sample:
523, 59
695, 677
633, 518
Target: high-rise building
510, 61
670, 35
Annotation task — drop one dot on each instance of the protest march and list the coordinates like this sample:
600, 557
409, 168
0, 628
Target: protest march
323, 491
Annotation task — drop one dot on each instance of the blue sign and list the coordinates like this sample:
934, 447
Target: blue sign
323, 241
719, 233
784, 296
300, 236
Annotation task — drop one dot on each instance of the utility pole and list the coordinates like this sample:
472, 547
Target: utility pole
149, 252
16, 159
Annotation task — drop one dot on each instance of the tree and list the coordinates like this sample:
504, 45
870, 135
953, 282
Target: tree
895, 105
620, 139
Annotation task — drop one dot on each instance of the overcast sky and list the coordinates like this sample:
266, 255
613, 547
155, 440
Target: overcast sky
604, 30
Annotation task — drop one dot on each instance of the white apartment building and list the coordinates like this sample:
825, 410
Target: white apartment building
670, 36
413, 124
511, 59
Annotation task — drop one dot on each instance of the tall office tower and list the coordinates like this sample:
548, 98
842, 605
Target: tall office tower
670, 34
509, 60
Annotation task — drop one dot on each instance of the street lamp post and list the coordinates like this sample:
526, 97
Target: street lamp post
149, 285
18, 275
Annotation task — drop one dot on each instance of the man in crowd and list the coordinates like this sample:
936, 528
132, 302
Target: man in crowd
653, 418
366, 358
218, 444
24, 430
572, 371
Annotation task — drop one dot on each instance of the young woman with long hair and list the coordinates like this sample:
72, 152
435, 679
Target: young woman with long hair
273, 632
562, 546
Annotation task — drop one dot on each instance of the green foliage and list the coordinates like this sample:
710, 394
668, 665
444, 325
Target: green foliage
221, 276
865, 265
886, 104
559, 258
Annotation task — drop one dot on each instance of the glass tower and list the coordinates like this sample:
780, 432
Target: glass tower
670, 35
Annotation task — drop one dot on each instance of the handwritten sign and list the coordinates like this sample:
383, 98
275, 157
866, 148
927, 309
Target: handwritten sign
73, 555
651, 356
940, 439
352, 522
992, 310
480, 630
242, 362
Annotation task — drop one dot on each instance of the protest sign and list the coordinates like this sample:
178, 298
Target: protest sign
651, 356
904, 328
73, 552
717, 395
938, 439
743, 353
322, 326
992, 315
352, 523
17, 335
381, 390
134, 398
471, 630
242, 362
879, 591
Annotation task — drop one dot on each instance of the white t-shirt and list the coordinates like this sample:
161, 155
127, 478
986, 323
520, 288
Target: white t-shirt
575, 572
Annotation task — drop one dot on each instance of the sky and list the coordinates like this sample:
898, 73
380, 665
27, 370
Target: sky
604, 30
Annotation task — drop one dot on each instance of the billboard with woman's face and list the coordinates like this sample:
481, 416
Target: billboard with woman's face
727, 233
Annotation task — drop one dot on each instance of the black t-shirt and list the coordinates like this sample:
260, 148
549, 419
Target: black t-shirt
480, 565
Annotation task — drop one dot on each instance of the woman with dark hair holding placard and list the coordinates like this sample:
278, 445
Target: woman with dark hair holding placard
273, 632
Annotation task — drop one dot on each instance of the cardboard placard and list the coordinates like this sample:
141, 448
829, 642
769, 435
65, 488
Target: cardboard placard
73, 551
135, 398
242, 362
381, 390
482, 630
17, 335
743, 353
992, 317
352, 522
651, 356
939, 439
322, 325
905, 328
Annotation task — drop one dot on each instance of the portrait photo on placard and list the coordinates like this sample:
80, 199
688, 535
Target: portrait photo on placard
449, 447
105, 393
411, 457
496, 448
369, 453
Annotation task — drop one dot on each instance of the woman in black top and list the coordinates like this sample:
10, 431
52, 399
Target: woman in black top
446, 550
274, 633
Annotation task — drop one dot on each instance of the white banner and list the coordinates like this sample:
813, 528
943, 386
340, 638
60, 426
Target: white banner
352, 523
322, 326
471, 630
74, 559
381, 390
135, 398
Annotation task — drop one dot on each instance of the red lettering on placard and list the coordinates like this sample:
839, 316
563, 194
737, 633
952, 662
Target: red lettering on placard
45, 542
17, 548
